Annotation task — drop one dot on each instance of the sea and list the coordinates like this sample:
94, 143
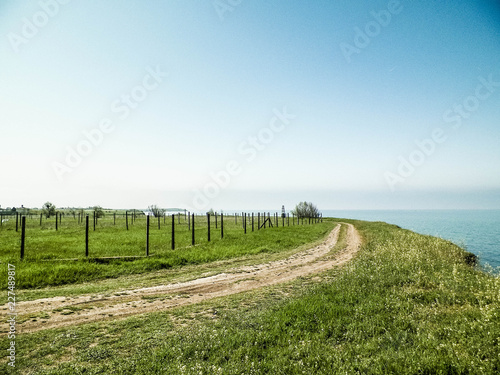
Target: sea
478, 231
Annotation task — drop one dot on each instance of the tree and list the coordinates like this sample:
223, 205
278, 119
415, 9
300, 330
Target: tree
306, 209
99, 212
48, 209
157, 211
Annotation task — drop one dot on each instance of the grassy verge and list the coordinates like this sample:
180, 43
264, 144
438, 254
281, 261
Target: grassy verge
408, 304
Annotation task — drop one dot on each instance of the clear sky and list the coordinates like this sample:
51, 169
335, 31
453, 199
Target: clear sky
231, 104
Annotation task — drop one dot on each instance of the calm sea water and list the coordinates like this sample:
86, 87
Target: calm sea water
476, 230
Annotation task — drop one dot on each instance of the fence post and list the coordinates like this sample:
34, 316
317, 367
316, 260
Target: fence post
23, 235
56, 221
208, 224
173, 230
17, 221
216, 220
252, 222
147, 235
94, 219
258, 220
244, 217
192, 232
189, 220
158, 222
126, 219
114, 218
1, 219
221, 225
87, 236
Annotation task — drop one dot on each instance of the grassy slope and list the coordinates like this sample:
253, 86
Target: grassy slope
408, 304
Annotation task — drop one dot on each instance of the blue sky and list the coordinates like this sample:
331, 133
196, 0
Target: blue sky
250, 104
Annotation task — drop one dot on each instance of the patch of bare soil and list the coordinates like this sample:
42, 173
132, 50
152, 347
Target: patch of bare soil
59, 312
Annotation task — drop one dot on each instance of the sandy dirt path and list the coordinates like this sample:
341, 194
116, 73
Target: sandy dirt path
62, 311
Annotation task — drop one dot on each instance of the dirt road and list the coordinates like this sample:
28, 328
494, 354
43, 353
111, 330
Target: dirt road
61, 311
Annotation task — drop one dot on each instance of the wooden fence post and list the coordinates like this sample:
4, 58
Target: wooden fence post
252, 222
192, 232
208, 225
23, 235
173, 230
216, 220
221, 225
87, 236
147, 235
56, 220
158, 222
189, 220
258, 220
126, 219
244, 217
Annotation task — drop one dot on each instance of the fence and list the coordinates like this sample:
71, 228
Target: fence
198, 227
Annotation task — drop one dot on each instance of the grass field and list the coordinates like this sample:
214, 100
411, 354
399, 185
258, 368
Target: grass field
407, 304
46, 249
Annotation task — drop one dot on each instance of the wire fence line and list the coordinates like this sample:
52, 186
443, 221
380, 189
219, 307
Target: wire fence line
131, 227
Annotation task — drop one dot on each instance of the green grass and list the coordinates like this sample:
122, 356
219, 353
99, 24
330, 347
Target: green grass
46, 249
407, 304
